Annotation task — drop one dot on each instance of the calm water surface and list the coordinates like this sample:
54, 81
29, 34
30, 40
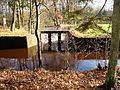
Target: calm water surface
54, 61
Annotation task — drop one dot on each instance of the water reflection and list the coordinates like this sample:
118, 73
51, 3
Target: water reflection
73, 61
58, 61
21, 59
19, 53
52, 61
17, 64
86, 65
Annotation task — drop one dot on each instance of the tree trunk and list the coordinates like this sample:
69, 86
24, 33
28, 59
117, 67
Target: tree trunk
68, 8
110, 81
30, 18
18, 15
36, 29
22, 12
13, 18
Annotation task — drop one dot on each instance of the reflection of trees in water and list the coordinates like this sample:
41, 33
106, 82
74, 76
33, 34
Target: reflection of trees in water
19, 64
57, 61
51, 61
7, 63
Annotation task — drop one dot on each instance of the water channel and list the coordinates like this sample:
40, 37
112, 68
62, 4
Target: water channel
51, 61
27, 59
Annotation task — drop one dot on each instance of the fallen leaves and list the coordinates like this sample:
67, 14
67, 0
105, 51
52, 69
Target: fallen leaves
51, 80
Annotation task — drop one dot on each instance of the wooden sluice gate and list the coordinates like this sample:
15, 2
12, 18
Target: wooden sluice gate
75, 44
59, 42
85, 48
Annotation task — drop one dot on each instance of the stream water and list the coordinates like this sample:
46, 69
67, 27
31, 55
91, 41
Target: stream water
53, 61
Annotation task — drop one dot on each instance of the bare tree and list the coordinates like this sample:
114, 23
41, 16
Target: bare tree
36, 30
18, 14
30, 18
14, 16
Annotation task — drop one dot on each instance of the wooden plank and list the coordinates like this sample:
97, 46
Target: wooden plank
49, 42
50, 31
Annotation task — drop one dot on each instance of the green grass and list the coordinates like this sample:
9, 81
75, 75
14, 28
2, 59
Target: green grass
106, 27
105, 30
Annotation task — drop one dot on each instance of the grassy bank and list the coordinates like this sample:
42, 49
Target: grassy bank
17, 32
103, 30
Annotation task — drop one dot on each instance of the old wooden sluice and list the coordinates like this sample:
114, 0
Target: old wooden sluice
59, 33
73, 43
76, 44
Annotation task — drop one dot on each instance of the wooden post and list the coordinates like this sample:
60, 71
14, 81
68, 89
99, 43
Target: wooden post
49, 42
59, 41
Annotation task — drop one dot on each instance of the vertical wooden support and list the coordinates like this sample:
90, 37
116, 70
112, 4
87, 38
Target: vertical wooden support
59, 41
49, 42
67, 42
